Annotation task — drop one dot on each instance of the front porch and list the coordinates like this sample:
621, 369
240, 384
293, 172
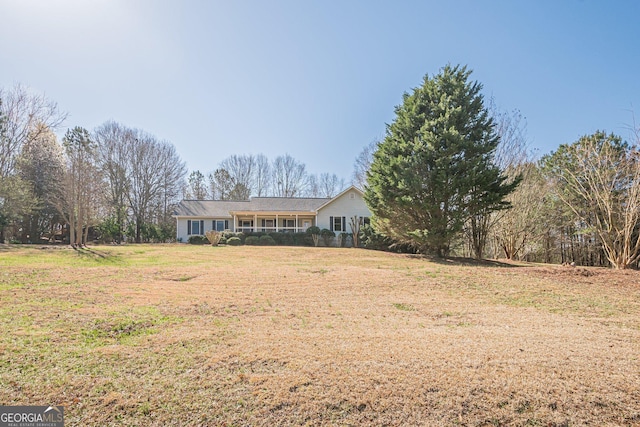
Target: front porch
269, 222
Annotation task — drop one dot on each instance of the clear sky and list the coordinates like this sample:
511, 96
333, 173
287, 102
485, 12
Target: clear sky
318, 79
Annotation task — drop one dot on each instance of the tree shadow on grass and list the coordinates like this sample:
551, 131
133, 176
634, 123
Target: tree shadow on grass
87, 252
469, 262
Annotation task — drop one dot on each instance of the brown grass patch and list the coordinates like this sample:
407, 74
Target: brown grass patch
186, 335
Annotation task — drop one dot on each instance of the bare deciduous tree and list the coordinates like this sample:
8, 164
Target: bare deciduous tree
220, 184
77, 202
114, 151
601, 173
156, 179
242, 169
27, 114
262, 176
511, 126
330, 185
289, 176
173, 171
362, 164
313, 186
510, 156
520, 227
196, 186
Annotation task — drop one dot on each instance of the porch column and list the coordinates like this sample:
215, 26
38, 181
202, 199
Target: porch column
255, 223
235, 223
276, 223
297, 225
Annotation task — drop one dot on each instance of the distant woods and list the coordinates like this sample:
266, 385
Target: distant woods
239, 177
453, 175
115, 182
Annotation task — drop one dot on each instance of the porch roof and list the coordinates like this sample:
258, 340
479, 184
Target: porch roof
255, 206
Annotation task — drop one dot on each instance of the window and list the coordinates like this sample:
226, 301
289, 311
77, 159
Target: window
337, 223
195, 227
220, 225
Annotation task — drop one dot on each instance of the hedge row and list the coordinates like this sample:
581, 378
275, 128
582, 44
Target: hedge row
270, 239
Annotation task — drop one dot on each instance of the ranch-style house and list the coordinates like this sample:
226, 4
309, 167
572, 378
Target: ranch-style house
270, 214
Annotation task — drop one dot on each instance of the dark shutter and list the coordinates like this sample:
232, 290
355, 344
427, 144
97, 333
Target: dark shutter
226, 224
344, 224
331, 223
188, 226
201, 226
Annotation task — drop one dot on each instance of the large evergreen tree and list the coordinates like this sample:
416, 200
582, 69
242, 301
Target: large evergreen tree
435, 170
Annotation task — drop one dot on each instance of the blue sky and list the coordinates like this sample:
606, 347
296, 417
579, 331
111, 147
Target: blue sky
318, 79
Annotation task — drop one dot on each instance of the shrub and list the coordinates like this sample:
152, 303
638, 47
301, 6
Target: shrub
198, 240
314, 232
213, 237
223, 241
343, 239
302, 239
234, 241
277, 237
327, 236
267, 240
287, 239
252, 240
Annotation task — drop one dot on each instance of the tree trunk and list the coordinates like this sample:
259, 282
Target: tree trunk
138, 230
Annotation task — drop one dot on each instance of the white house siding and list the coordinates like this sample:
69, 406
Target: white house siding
182, 228
347, 205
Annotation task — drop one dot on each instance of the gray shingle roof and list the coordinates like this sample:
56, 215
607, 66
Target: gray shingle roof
223, 208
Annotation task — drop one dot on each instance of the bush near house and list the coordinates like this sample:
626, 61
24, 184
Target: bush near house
262, 239
314, 232
252, 241
327, 236
343, 239
267, 240
198, 240
280, 238
229, 234
234, 241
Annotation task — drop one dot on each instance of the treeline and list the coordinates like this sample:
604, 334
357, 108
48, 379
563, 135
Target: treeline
240, 176
115, 182
579, 204
455, 177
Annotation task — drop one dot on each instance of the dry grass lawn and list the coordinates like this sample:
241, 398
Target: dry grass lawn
195, 335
